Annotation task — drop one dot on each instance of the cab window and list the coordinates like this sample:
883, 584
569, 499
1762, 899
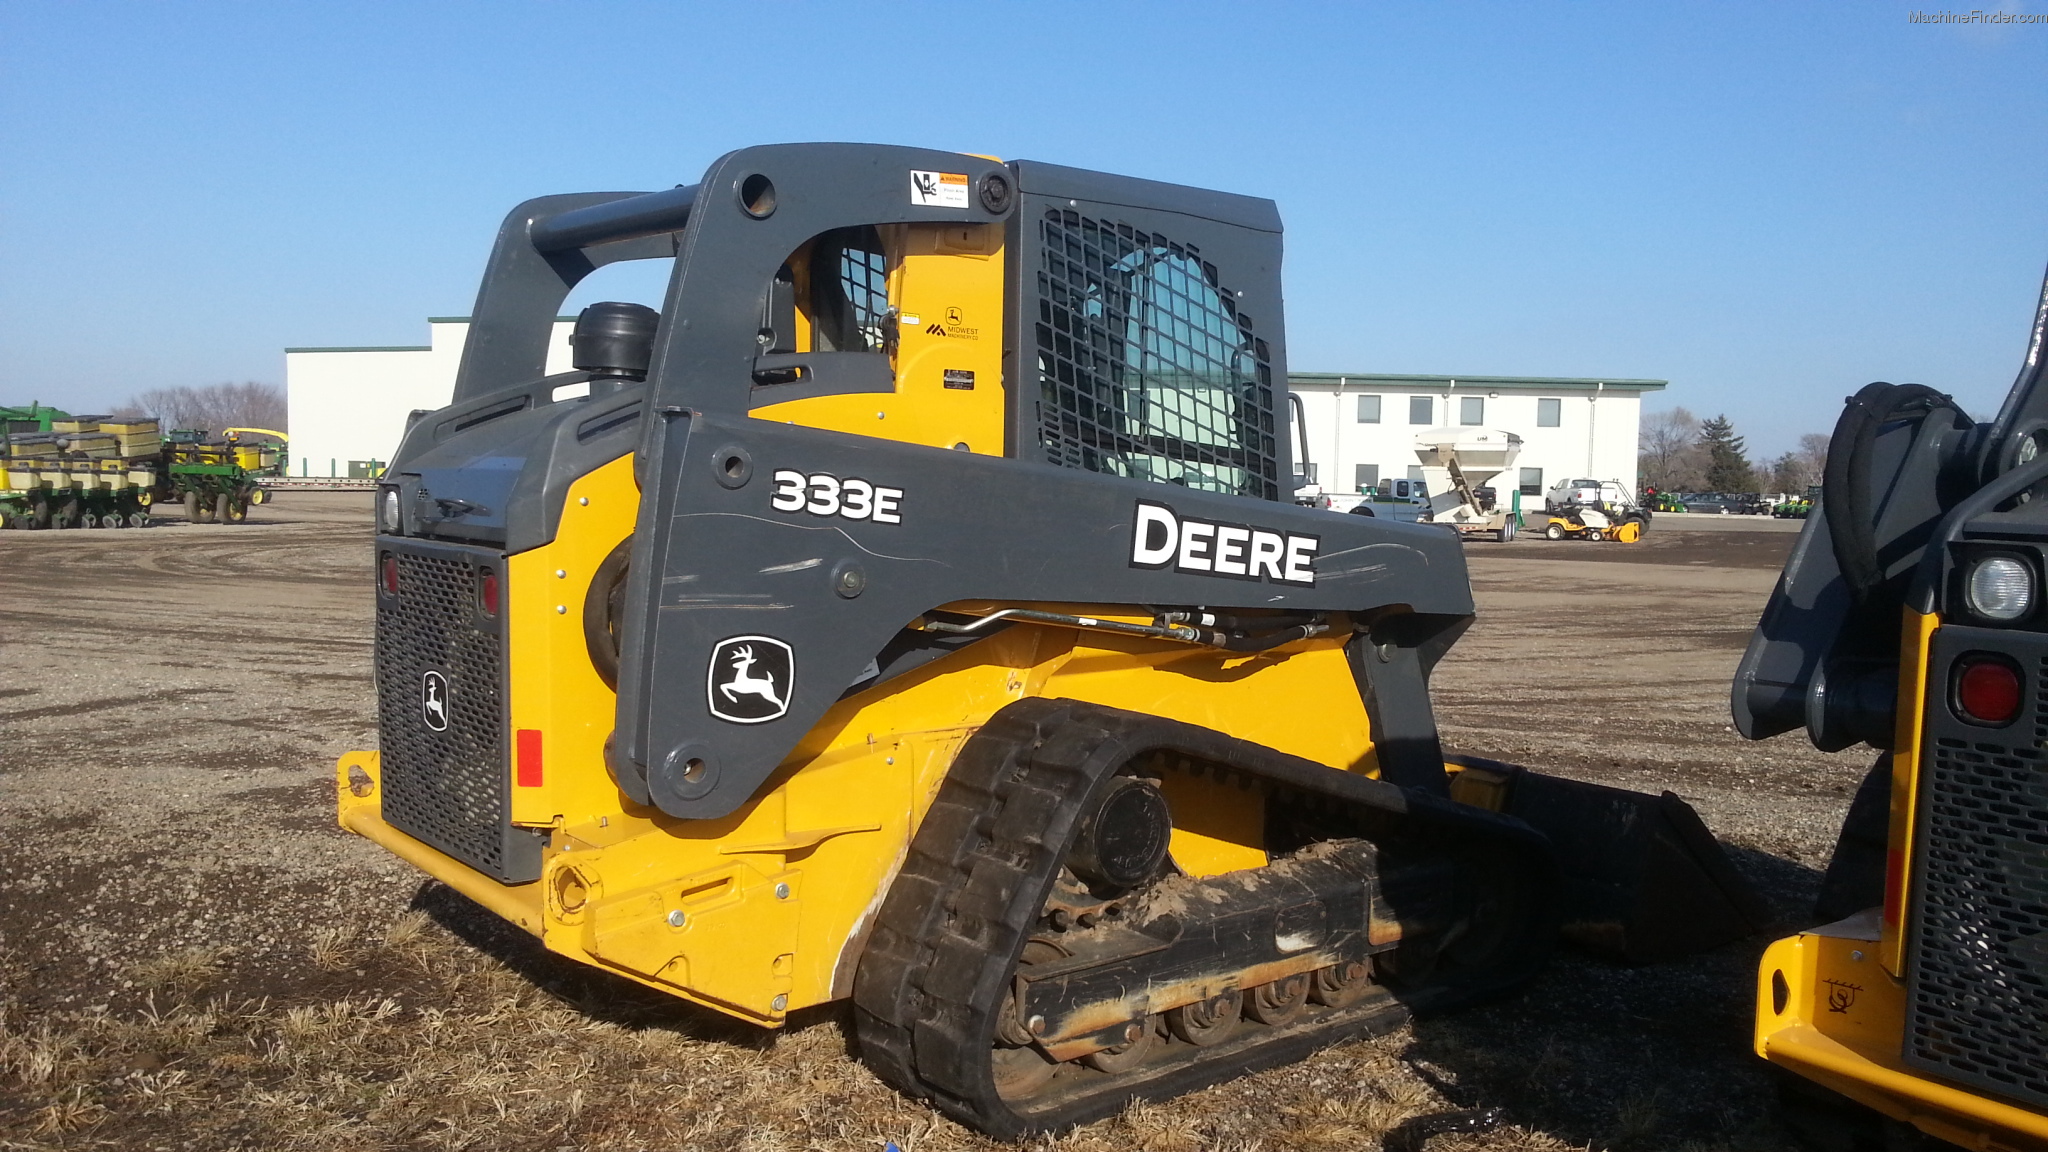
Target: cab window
832, 295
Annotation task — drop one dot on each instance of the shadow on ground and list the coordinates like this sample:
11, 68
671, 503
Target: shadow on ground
592, 992
1608, 1056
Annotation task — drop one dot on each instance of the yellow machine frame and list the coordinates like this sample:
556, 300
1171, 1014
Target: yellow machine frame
766, 911
1831, 1001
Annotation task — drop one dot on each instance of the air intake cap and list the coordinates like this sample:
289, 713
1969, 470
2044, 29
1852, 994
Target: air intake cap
614, 339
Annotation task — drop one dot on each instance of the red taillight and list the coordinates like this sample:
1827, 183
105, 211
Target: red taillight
1988, 690
487, 592
390, 570
526, 762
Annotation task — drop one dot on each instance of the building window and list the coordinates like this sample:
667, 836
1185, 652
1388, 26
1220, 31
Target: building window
1418, 409
1532, 478
1549, 414
1471, 409
1367, 475
1368, 409
1415, 473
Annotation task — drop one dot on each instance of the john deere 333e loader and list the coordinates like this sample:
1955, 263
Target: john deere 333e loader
913, 612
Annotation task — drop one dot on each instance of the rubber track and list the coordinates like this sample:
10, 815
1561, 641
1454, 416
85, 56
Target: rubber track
976, 878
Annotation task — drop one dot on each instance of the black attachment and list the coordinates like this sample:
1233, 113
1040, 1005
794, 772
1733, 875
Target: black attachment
1847, 479
613, 341
1825, 652
1644, 880
1122, 843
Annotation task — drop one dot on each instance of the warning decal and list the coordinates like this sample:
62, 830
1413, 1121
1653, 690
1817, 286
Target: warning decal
938, 189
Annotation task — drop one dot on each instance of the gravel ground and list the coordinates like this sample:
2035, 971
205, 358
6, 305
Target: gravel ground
192, 955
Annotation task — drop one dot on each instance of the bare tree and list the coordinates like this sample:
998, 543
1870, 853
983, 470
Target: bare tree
1813, 456
1668, 451
1796, 470
213, 407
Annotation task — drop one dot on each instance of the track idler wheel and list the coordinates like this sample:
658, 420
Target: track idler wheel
1205, 1021
1340, 985
1123, 841
1278, 1001
1140, 1038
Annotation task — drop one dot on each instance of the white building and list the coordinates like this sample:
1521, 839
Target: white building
349, 405
1361, 428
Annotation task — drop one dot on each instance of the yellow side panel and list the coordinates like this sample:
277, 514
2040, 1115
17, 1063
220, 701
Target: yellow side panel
554, 689
1299, 699
1843, 1026
946, 282
834, 824
829, 832
1916, 635
1218, 827
766, 910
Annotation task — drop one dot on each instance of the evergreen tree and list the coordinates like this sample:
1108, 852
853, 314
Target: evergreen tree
1728, 468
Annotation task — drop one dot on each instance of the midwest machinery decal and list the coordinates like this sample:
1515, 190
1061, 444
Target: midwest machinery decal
1162, 538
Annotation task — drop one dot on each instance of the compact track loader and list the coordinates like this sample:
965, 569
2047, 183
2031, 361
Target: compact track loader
913, 612
1910, 617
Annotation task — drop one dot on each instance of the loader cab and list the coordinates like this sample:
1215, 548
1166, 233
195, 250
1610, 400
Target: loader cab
1057, 319
907, 311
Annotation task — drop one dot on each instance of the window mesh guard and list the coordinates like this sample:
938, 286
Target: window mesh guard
850, 291
1146, 367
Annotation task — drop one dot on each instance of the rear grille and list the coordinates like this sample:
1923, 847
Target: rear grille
448, 788
1979, 959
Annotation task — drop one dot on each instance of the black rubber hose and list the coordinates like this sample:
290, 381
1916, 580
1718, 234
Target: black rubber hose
601, 613
1258, 641
1845, 484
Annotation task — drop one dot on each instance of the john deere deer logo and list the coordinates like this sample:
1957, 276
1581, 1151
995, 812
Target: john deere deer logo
434, 700
749, 679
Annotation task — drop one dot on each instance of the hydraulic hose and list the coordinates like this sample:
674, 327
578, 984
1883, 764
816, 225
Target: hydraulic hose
1852, 523
602, 609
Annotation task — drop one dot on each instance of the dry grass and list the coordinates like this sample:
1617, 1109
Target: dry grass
181, 973
465, 1052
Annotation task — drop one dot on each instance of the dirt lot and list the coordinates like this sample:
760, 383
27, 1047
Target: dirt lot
193, 956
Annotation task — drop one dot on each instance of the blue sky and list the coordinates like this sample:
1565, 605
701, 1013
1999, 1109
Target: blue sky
1769, 204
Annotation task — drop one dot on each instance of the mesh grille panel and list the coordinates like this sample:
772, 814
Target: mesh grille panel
849, 294
864, 278
1979, 1009
1146, 367
447, 788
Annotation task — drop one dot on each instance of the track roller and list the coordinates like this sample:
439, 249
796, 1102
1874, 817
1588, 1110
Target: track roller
1039, 961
